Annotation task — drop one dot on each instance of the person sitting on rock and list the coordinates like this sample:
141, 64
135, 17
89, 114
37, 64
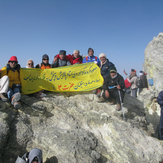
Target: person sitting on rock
142, 81
45, 63
91, 57
134, 83
12, 70
34, 156
75, 58
30, 64
160, 102
61, 59
105, 65
4, 85
113, 87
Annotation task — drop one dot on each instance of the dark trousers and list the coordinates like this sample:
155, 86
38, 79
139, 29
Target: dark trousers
115, 94
161, 126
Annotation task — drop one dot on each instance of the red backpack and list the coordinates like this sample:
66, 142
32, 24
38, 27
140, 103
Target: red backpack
127, 84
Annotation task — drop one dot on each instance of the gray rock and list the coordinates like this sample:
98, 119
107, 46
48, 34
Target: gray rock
76, 128
153, 66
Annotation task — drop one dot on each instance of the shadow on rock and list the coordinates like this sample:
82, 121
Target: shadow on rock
34, 106
52, 159
135, 107
153, 126
12, 147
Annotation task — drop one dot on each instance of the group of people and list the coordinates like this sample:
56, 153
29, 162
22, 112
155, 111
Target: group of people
10, 84
113, 89
134, 84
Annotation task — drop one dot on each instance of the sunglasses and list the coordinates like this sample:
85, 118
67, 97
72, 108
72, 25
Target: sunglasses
14, 62
30, 63
45, 59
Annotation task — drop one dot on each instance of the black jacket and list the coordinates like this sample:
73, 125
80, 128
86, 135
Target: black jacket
160, 99
109, 82
142, 82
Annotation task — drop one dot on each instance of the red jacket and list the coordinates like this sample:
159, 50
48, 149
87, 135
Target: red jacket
127, 84
72, 59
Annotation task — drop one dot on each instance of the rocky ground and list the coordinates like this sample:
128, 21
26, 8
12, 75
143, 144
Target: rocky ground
76, 128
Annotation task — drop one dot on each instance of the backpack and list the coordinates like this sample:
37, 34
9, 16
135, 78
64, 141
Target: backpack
127, 83
150, 82
17, 68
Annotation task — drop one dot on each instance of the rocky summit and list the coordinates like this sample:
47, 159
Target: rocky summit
75, 128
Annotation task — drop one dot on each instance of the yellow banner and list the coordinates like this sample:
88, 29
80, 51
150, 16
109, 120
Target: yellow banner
78, 77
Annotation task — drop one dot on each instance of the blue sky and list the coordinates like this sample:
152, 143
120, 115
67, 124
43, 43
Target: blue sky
119, 28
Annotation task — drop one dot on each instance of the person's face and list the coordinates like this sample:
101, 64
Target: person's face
45, 60
112, 74
30, 64
132, 73
13, 64
62, 56
34, 161
102, 59
90, 53
76, 54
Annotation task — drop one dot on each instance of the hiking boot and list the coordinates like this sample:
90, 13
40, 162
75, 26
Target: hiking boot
112, 101
101, 99
118, 107
3, 97
16, 98
17, 105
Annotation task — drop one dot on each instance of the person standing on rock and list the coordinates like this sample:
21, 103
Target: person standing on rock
160, 102
45, 63
134, 83
75, 58
12, 70
127, 83
34, 156
142, 82
61, 59
113, 87
91, 57
105, 65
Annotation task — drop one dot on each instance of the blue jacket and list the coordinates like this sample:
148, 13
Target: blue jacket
160, 99
91, 59
105, 69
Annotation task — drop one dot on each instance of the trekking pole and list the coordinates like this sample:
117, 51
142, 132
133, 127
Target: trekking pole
28, 105
121, 103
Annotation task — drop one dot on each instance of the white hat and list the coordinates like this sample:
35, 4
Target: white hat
140, 73
102, 55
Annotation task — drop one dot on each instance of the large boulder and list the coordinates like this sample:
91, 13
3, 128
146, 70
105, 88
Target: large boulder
153, 67
153, 62
76, 128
